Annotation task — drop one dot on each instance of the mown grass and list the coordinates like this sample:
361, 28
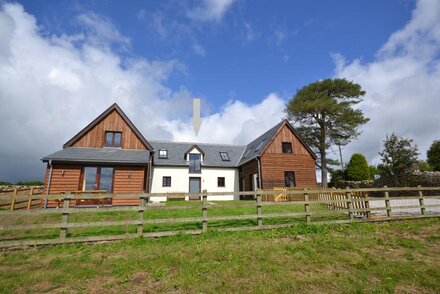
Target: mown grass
401, 257
215, 209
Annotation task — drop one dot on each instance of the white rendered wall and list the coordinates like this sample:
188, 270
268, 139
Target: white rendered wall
180, 181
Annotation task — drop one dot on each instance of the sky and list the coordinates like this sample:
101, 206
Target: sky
62, 63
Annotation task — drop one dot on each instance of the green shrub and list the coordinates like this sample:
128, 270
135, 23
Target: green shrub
5, 183
433, 155
357, 168
29, 183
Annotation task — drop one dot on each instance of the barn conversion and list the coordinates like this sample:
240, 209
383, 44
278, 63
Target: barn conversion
111, 155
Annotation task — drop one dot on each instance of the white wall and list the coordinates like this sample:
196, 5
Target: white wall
180, 181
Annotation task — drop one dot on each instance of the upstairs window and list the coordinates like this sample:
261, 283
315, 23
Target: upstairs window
194, 163
166, 181
113, 139
221, 182
163, 153
287, 147
224, 156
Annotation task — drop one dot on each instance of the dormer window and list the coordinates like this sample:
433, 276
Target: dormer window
287, 147
113, 139
224, 156
163, 154
194, 163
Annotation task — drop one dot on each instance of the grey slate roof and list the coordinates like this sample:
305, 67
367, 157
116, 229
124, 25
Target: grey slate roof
176, 153
254, 148
100, 155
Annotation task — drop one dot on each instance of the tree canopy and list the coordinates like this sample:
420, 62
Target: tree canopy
433, 155
323, 115
399, 156
357, 168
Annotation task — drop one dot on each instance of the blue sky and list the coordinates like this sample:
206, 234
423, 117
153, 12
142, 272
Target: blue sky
255, 48
62, 63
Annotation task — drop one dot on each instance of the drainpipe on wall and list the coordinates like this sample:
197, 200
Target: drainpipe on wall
48, 183
150, 174
260, 180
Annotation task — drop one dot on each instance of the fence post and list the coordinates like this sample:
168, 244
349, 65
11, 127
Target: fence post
259, 210
31, 193
307, 206
204, 212
387, 202
65, 216
140, 225
349, 203
13, 199
421, 201
367, 205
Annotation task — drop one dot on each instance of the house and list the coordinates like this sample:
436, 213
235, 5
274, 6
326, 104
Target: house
111, 155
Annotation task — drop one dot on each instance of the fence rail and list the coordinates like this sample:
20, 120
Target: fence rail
352, 205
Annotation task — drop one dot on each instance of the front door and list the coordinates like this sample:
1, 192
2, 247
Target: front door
194, 187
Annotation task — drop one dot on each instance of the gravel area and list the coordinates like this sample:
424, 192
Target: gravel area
402, 211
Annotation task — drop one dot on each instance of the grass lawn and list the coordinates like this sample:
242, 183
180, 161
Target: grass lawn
215, 209
400, 256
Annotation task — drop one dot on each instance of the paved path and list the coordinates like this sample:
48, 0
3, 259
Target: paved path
409, 202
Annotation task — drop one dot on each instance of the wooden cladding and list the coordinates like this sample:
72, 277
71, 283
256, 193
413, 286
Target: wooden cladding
64, 178
285, 135
247, 170
113, 122
129, 179
274, 166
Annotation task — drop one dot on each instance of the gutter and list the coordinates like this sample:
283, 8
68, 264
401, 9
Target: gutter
48, 183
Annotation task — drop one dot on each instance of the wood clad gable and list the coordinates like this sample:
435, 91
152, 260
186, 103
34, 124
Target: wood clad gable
113, 120
286, 133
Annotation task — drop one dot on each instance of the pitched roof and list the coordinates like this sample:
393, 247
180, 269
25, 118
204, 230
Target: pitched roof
259, 145
103, 115
254, 148
99, 155
212, 158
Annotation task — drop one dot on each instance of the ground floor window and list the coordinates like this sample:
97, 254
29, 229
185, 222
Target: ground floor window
98, 178
289, 179
221, 181
166, 181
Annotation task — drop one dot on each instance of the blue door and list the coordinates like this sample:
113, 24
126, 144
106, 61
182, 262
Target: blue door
194, 187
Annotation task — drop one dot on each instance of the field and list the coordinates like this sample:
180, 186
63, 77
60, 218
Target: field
399, 256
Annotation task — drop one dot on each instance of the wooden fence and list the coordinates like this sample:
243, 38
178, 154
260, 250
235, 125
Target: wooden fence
344, 200
15, 203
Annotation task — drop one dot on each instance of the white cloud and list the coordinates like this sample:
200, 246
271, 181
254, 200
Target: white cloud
402, 84
210, 10
199, 50
51, 86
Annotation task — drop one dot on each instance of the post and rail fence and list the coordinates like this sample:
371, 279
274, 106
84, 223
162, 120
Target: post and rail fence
350, 205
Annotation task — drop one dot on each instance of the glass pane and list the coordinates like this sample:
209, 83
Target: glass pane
194, 163
289, 179
108, 138
117, 139
90, 178
106, 180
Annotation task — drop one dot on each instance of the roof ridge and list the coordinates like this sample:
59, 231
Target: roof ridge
197, 143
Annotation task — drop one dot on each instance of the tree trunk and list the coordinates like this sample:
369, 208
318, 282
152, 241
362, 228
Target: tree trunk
323, 156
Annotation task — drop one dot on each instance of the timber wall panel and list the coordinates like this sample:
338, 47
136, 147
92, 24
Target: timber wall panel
285, 135
248, 169
274, 162
129, 179
63, 183
113, 122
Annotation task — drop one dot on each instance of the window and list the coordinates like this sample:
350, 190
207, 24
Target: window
224, 156
98, 178
221, 181
113, 139
289, 179
260, 145
287, 147
163, 153
194, 163
166, 182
